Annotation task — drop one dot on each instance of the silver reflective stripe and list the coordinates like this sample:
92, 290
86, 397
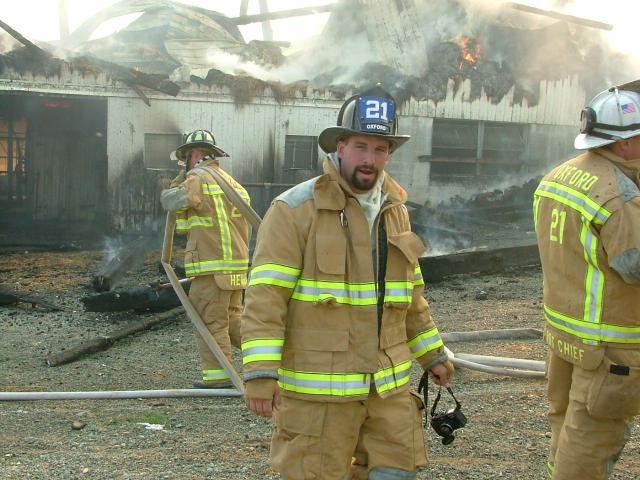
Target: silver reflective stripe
335, 292
392, 378
594, 283
174, 199
576, 201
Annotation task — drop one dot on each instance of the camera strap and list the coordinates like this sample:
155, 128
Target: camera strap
422, 388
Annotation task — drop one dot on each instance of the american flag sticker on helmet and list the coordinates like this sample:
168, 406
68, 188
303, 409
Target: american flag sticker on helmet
628, 108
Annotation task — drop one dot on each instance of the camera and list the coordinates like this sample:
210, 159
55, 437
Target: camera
445, 423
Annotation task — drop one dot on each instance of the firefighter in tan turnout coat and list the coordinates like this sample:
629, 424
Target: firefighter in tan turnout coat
217, 251
587, 217
335, 312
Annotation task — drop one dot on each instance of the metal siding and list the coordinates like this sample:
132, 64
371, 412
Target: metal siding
558, 104
254, 133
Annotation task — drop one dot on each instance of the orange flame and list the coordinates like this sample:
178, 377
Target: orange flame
470, 50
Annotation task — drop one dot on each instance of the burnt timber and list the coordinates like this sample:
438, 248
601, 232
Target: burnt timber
439, 267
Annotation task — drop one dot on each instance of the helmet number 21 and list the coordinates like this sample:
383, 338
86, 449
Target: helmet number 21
556, 233
377, 109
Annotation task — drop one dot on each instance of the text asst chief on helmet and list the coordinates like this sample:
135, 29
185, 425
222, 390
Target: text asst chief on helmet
587, 218
335, 312
217, 251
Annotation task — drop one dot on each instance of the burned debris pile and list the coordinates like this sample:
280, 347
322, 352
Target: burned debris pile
488, 232
499, 49
12, 297
149, 298
124, 256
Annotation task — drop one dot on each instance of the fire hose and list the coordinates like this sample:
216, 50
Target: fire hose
254, 220
488, 364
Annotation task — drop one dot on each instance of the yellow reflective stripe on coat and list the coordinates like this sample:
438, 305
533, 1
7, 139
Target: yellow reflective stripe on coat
592, 332
425, 342
274, 274
262, 350
594, 281
211, 375
193, 221
358, 294
213, 189
588, 327
335, 384
536, 207
313, 290
225, 231
418, 279
344, 384
393, 377
212, 266
398, 292
575, 200
355, 294
217, 196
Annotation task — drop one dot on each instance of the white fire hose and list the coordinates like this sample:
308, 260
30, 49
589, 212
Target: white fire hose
495, 365
513, 367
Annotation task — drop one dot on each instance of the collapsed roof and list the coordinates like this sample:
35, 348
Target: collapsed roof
414, 47
166, 36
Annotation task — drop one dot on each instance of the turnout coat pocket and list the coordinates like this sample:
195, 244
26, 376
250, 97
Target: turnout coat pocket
615, 390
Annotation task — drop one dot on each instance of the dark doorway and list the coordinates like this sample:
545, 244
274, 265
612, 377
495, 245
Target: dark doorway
53, 166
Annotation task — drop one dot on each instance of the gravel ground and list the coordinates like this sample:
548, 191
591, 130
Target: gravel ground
216, 437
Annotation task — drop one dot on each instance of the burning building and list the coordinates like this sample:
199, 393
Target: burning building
489, 91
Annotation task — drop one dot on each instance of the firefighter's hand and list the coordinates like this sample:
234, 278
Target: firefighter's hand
442, 374
181, 177
262, 396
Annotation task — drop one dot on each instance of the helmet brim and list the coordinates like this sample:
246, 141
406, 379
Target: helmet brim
181, 151
585, 141
328, 139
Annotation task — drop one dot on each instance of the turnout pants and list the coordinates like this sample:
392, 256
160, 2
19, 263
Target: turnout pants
586, 438
220, 311
321, 440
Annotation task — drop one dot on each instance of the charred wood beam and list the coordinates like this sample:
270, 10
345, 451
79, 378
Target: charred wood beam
560, 16
26, 42
132, 77
10, 297
439, 267
103, 342
152, 298
296, 12
140, 93
129, 76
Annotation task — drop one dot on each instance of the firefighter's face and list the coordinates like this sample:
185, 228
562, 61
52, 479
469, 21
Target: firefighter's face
634, 148
629, 148
362, 158
194, 156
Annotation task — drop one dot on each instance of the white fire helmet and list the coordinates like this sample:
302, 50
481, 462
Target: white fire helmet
197, 139
611, 116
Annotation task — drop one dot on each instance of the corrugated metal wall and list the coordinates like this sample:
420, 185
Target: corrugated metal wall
254, 133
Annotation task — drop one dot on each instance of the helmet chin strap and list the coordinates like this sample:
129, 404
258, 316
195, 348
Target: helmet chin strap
606, 136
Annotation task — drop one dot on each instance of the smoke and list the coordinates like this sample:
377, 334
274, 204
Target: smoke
123, 254
7, 42
233, 64
418, 45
